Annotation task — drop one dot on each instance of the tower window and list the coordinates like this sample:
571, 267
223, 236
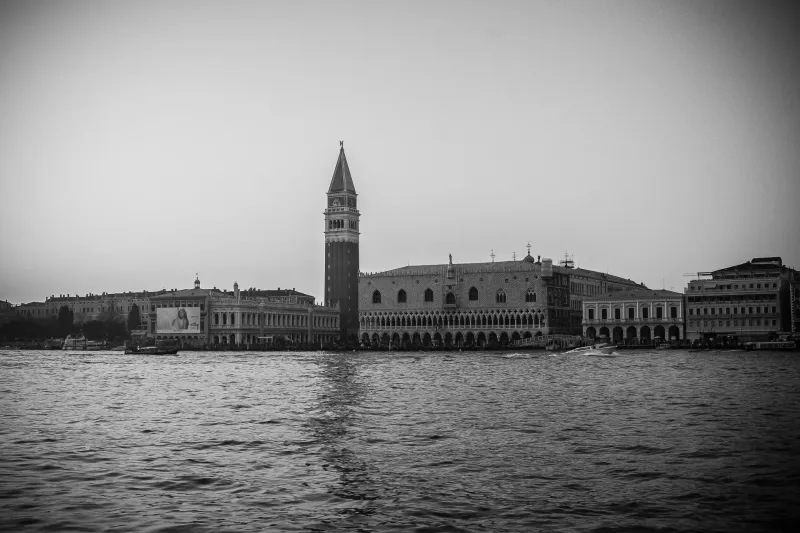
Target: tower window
473, 294
401, 296
530, 296
428, 295
376, 297
500, 297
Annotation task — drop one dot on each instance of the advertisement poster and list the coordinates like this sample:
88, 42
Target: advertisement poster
177, 320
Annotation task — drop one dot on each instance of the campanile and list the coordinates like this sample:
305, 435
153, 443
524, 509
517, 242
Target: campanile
341, 249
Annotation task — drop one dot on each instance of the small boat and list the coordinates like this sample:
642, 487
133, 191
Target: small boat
151, 350
74, 342
53, 344
597, 350
161, 348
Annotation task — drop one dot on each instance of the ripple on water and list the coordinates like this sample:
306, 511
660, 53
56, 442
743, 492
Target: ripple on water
399, 442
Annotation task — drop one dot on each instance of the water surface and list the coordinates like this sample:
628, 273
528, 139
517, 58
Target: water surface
312, 441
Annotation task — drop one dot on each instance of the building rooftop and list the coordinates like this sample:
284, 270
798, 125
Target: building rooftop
185, 293
635, 294
757, 263
500, 266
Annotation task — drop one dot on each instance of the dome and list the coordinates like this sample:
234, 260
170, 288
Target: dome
529, 259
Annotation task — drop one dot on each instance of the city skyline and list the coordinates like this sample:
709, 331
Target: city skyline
141, 143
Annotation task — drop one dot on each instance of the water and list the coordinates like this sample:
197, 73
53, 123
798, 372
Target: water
666, 441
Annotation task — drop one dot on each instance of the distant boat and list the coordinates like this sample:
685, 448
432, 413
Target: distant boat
161, 348
79, 343
770, 345
53, 344
597, 350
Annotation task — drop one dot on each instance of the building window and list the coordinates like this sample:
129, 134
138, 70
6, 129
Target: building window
401, 296
591, 314
659, 312
631, 312
473, 294
617, 314
450, 299
500, 297
530, 296
429, 295
673, 312
376, 297
645, 312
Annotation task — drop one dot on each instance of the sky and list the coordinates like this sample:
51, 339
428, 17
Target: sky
142, 142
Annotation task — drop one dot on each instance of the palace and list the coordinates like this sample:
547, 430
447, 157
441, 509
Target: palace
249, 318
475, 304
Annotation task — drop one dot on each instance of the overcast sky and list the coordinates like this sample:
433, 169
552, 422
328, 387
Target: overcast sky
141, 142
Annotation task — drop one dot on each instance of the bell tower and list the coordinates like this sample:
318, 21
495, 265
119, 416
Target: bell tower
341, 249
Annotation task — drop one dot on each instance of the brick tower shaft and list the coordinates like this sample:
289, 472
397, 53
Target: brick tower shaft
341, 249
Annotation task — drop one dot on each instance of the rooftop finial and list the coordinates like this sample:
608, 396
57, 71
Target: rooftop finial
492, 254
529, 247
341, 144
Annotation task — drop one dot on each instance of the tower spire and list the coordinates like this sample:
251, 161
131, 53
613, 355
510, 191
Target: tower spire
342, 181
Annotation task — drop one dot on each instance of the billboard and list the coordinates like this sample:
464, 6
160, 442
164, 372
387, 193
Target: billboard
178, 320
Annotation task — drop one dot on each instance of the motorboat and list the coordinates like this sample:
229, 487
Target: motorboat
151, 350
162, 347
598, 350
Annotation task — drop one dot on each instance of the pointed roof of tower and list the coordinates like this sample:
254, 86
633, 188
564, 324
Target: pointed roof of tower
342, 180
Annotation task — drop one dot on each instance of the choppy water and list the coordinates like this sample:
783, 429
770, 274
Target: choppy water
667, 441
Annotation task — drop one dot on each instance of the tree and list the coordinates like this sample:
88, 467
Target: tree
21, 329
133, 318
65, 318
94, 330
